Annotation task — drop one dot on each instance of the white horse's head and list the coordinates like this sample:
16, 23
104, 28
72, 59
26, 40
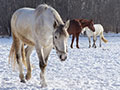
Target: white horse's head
60, 40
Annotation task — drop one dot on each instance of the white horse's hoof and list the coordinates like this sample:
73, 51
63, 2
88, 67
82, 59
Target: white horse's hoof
23, 81
43, 85
89, 46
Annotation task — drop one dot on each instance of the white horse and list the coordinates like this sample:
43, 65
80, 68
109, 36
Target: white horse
40, 28
98, 32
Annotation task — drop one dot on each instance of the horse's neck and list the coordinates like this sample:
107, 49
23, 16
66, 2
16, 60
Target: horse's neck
84, 25
88, 29
57, 17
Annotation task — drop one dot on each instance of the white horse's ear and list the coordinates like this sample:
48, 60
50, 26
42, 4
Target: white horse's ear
55, 25
66, 26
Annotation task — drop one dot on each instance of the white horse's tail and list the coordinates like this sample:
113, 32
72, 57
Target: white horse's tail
103, 38
23, 56
12, 55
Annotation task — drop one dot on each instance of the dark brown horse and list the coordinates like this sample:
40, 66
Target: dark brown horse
76, 26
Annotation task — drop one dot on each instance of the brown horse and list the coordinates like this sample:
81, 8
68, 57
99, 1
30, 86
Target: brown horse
76, 26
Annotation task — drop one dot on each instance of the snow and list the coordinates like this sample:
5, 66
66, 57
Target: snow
85, 68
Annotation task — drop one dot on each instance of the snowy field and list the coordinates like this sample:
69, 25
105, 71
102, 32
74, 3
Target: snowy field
85, 68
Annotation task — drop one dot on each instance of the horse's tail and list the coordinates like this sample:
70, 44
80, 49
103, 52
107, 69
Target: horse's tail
23, 56
103, 38
12, 55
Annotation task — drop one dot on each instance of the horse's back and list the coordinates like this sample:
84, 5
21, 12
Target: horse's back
21, 18
21, 23
74, 27
98, 28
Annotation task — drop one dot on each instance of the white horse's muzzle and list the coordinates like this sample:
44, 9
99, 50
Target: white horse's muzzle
63, 57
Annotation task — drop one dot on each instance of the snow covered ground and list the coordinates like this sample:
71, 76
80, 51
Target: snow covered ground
85, 69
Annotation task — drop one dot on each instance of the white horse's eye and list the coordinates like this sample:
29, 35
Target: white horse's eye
55, 37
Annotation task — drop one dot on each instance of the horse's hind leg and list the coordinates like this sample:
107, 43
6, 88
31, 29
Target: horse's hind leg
100, 40
94, 41
28, 51
18, 45
73, 37
77, 40
89, 42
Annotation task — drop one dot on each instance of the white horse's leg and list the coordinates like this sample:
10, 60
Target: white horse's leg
73, 37
18, 46
77, 40
46, 52
100, 40
28, 51
42, 65
43, 56
89, 41
94, 41
19, 61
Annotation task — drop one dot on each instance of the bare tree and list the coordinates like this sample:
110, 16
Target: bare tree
105, 12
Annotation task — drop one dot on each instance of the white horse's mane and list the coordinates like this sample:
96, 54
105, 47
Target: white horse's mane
41, 8
58, 20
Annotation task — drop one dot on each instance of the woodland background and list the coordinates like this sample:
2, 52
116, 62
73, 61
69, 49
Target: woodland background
105, 12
